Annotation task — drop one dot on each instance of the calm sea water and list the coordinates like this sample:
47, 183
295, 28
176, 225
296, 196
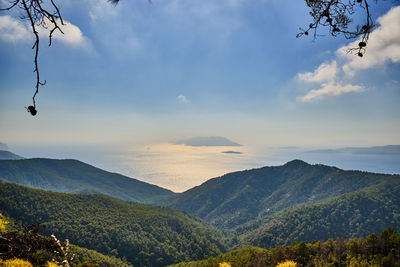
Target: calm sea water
179, 167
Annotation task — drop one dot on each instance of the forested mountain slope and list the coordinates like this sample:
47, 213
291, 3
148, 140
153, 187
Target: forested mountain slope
239, 197
144, 234
73, 176
6, 155
355, 214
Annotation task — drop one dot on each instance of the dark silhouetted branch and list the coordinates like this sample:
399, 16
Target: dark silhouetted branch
337, 16
38, 17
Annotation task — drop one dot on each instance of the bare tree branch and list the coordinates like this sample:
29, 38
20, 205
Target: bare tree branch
38, 17
337, 16
13, 4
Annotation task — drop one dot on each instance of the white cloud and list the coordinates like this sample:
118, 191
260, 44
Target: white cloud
11, 30
116, 28
183, 99
330, 78
383, 45
335, 77
209, 22
72, 34
330, 89
325, 72
100, 9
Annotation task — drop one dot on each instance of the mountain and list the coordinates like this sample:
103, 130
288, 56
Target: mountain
3, 146
265, 207
350, 215
237, 198
374, 150
143, 234
5, 155
73, 176
207, 141
379, 150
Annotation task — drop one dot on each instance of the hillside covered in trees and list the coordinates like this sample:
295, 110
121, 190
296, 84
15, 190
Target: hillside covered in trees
143, 234
73, 176
355, 214
20, 242
7, 155
237, 198
266, 208
373, 250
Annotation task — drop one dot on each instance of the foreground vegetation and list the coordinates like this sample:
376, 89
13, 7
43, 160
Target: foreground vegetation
374, 250
23, 246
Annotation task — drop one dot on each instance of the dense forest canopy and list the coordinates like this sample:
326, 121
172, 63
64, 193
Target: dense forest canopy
374, 250
19, 242
237, 198
143, 234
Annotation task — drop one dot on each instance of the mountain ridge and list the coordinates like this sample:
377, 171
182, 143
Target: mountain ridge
349, 215
235, 198
373, 150
73, 176
7, 155
268, 206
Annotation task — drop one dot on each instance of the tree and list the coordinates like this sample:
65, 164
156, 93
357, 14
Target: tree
336, 15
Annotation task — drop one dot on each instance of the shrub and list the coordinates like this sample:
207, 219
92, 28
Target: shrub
287, 264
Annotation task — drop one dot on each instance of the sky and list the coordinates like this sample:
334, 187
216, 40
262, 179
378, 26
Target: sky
142, 75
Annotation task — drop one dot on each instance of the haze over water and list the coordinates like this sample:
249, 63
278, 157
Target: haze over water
181, 167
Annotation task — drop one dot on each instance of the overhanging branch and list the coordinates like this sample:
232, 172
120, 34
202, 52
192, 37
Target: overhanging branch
38, 17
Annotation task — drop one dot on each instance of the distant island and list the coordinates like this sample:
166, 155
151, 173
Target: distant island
376, 150
207, 141
325, 151
231, 152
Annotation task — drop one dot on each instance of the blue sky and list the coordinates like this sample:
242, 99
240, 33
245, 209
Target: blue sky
146, 73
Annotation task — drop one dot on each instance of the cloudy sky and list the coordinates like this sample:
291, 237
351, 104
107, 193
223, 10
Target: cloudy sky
141, 73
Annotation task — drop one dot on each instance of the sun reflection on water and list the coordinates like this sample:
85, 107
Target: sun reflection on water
180, 167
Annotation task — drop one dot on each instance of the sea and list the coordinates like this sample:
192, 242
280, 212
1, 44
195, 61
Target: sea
181, 167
